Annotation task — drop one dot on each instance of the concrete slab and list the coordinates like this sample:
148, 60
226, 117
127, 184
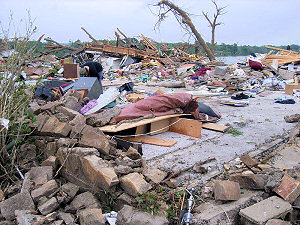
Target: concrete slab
287, 158
260, 122
225, 214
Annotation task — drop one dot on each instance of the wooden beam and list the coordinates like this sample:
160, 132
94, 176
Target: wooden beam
152, 141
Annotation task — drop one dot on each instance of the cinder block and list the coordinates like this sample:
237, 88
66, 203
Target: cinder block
270, 208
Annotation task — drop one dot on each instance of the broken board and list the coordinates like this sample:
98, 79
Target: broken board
215, 127
128, 125
152, 141
186, 126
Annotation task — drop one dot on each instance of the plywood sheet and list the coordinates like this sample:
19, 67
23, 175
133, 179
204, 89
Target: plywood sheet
128, 125
152, 141
186, 126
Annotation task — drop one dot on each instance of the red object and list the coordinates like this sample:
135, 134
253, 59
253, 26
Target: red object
255, 65
165, 73
62, 61
201, 72
159, 105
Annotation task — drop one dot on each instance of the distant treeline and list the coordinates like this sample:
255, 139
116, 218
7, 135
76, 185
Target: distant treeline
220, 49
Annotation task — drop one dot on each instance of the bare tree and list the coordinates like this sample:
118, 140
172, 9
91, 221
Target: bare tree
214, 23
184, 20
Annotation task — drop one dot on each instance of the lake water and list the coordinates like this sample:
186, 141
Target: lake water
229, 60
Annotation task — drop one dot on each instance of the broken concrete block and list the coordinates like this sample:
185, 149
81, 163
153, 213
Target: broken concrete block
70, 189
51, 149
124, 199
49, 206
91, 137
34, 108
103, 118
155, 175
70, 101
134, 184
73, 161
129, 162
54, 127
21, 201
27, 151
68, 218
250, 162
250, 181
98, 173
270, 208
123, 170
133, 154
37, 176
210, 212
277, 222
50, 106
91, 217
26, 217
78, 124
50, 217
70, 113
129, 215
66, 142
289, 188
40, 121
226, 190
44, 190
51, 161
82, 201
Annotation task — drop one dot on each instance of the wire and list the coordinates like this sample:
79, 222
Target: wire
136, 135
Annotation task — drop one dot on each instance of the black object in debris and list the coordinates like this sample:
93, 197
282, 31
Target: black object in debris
240, 96
127, 87
45, 93
286, 101
122, 144
207, 110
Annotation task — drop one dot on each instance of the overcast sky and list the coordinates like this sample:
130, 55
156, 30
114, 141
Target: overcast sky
247, 22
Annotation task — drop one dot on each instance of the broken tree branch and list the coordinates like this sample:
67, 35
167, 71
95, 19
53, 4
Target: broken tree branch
183, 18
90, 36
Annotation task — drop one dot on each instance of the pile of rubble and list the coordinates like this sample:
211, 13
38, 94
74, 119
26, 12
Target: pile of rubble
88, 167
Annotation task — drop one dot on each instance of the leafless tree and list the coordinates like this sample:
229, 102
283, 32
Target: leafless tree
214, 23
184, 20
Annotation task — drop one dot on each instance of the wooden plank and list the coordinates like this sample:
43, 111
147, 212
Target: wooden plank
152, 141
215, 127
141, 129
159, 125
186, 126
128, 125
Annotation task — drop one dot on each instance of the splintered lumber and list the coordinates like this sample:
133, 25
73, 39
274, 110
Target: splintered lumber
215, 127
152, 141
128, 125
279, 49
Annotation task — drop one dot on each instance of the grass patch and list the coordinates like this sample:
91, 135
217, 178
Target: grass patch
234, 132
